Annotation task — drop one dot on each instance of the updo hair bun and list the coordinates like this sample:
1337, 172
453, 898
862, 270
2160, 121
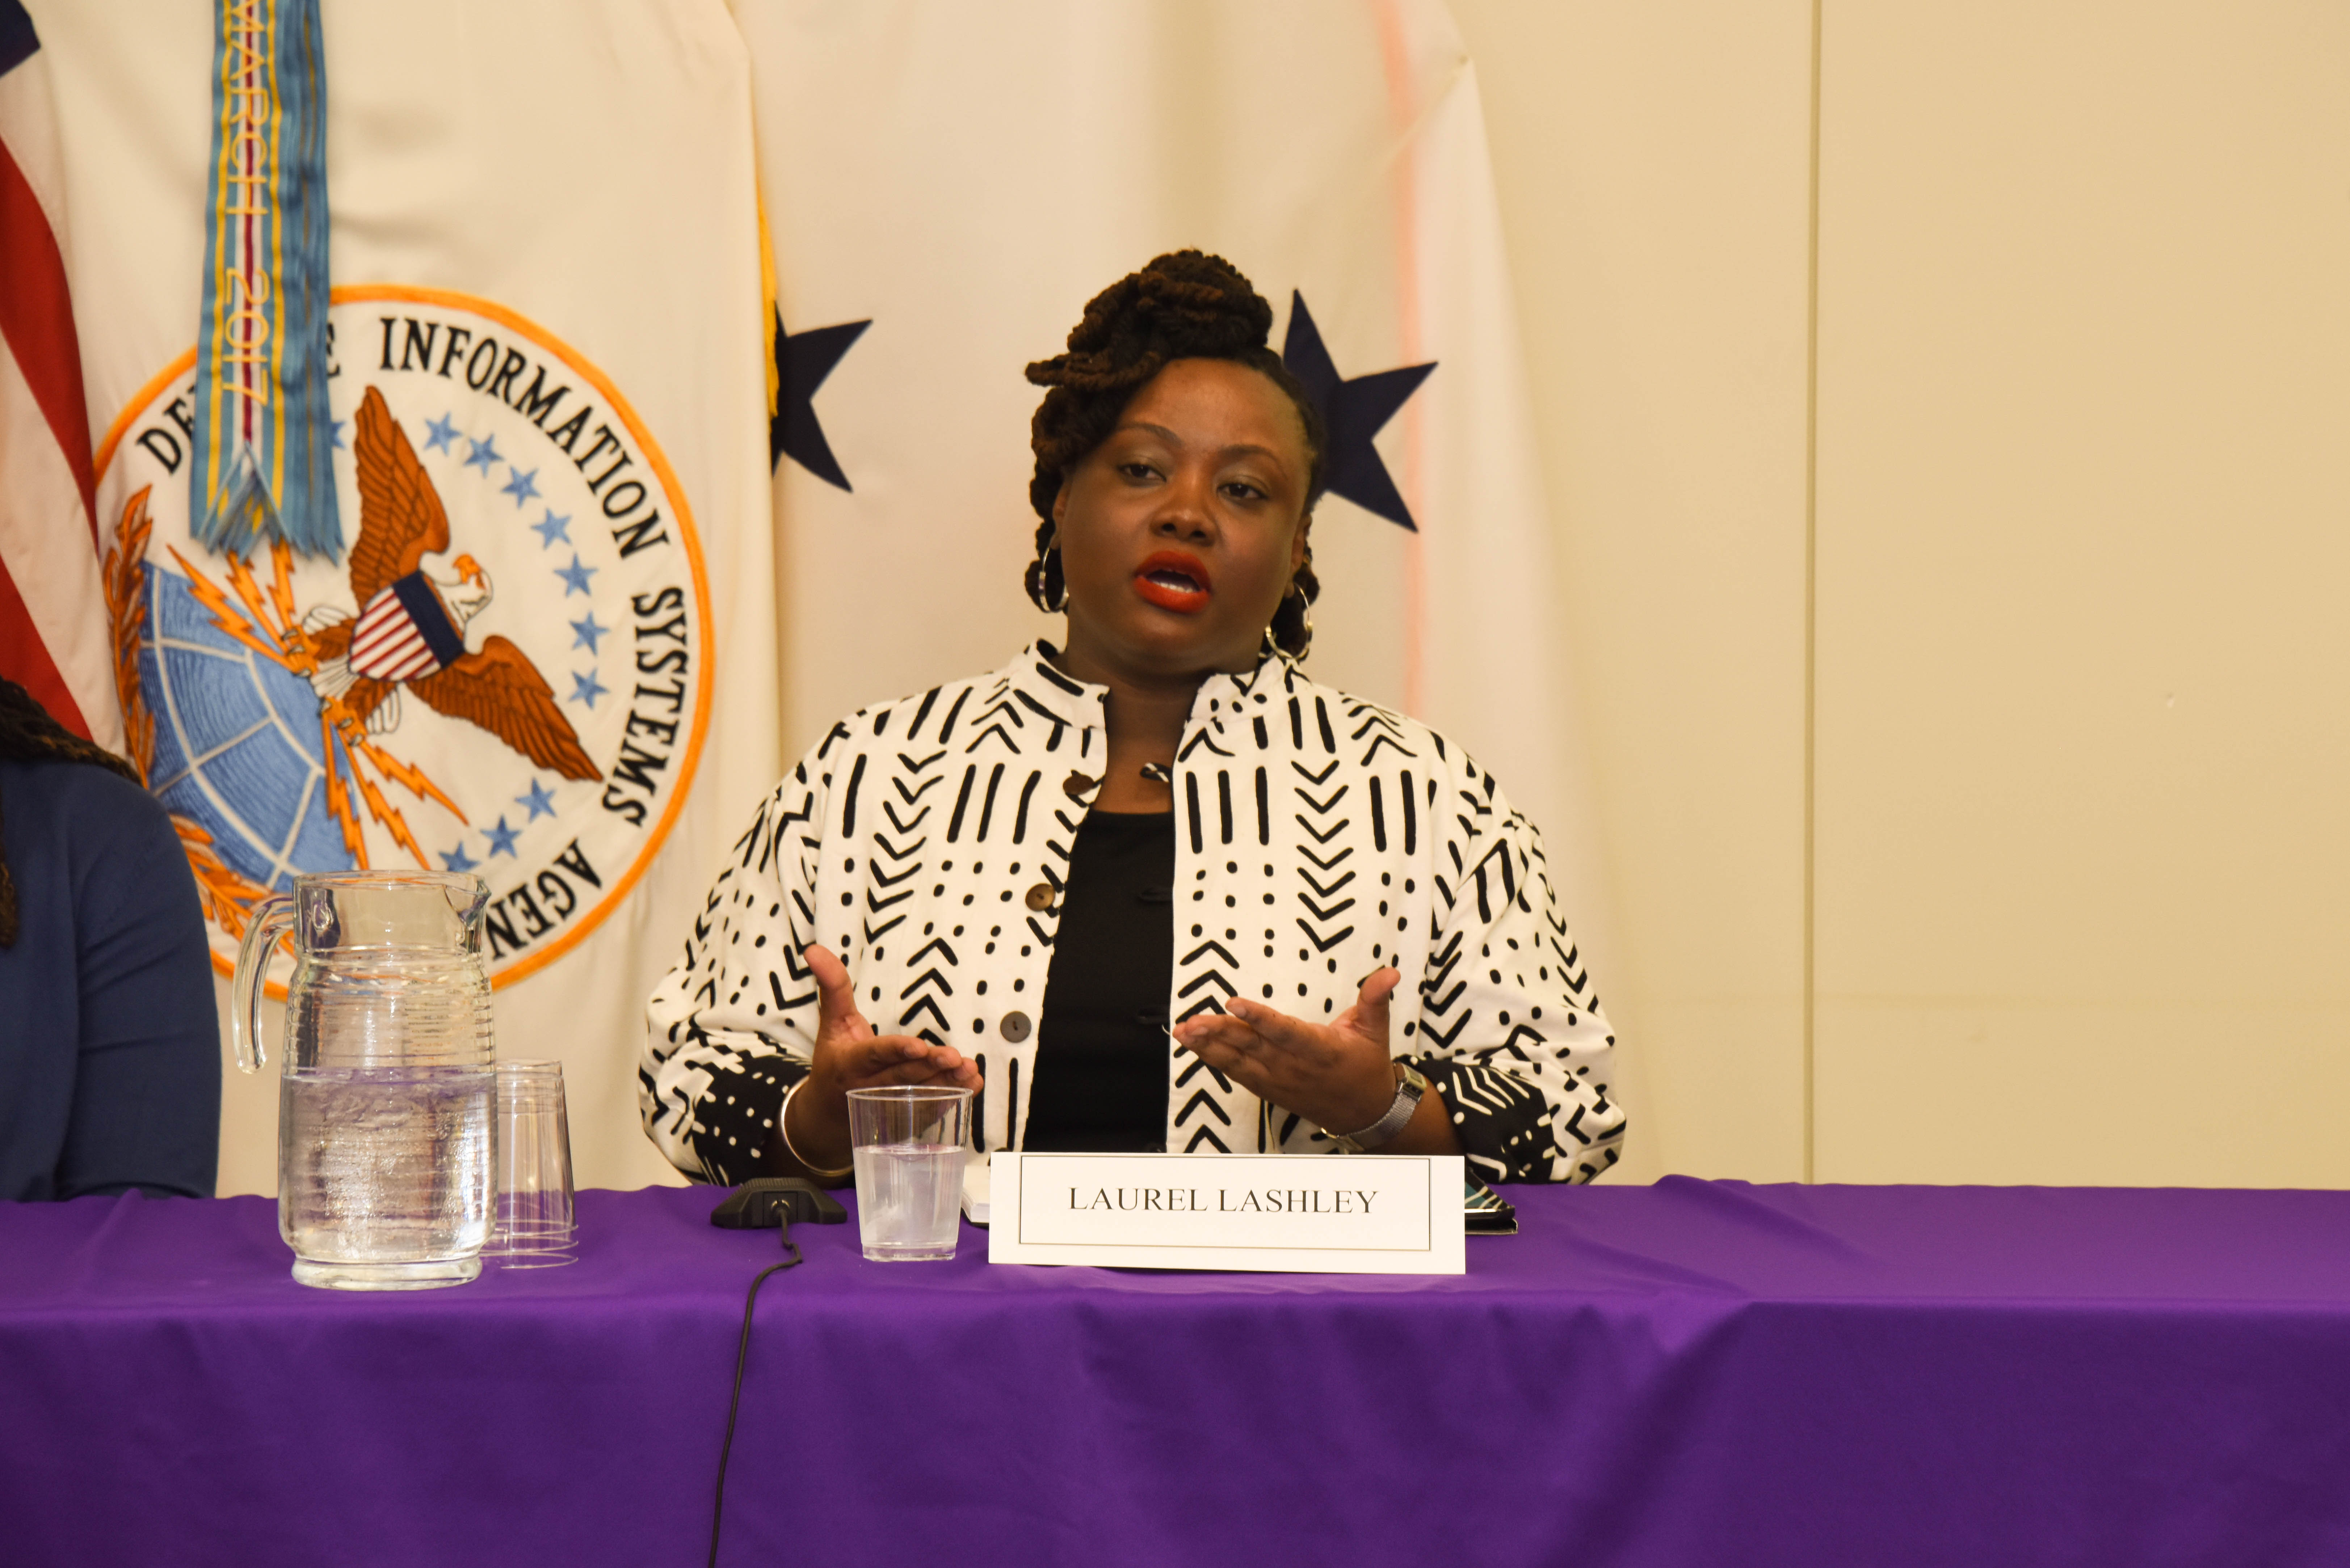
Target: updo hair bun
1185, 304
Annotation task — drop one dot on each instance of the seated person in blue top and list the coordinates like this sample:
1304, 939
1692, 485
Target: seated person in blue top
109, 1048
1154, 888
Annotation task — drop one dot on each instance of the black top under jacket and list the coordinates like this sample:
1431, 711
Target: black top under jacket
1101, 1049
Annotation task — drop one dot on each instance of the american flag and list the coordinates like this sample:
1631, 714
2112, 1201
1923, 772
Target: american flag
54, 639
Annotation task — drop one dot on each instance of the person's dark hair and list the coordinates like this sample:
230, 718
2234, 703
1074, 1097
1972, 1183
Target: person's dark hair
27, 735
1184, 305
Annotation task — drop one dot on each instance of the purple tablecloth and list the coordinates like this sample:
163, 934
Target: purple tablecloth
1691, 1373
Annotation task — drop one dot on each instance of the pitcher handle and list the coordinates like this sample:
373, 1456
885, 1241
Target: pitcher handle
270, 916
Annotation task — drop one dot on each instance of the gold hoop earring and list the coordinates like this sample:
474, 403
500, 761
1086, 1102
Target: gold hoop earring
1305, 620
1041, 566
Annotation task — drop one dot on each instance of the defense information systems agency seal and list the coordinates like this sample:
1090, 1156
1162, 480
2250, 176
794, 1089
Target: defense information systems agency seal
502, 670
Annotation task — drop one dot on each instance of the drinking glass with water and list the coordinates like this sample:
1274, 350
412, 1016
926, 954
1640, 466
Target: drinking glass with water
906, 1142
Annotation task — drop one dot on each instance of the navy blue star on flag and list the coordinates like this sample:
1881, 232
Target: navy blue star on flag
803, 359
1353, 411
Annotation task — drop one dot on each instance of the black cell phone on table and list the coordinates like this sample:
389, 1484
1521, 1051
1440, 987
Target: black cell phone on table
1484, 1214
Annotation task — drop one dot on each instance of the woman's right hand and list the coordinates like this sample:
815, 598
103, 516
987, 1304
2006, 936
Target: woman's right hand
848, 1055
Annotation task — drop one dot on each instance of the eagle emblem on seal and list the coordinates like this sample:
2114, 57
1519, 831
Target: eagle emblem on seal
408, 631
271, 696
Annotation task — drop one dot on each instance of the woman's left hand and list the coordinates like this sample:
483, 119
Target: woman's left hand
1338, 1076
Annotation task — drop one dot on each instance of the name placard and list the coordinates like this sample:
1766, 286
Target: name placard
1300, 1213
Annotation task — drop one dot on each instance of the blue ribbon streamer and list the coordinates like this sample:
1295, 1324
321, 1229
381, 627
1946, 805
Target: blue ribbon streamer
264, 466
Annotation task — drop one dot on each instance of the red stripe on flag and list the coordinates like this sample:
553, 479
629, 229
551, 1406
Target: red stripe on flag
378, 639
36, 318
25, 659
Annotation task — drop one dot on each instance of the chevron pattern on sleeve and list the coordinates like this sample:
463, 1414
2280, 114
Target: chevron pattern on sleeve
711, 1078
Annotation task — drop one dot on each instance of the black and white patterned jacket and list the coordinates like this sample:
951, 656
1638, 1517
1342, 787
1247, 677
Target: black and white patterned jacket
1317, 837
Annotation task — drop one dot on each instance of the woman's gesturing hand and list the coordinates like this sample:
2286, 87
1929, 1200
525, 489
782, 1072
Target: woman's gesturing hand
1336, 1074
848, 1055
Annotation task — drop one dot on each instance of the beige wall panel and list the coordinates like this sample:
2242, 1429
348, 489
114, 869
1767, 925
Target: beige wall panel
2083, 536
1653, 163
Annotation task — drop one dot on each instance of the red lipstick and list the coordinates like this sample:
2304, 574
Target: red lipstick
1174, 580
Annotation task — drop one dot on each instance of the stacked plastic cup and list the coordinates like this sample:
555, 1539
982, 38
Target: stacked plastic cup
533, 1225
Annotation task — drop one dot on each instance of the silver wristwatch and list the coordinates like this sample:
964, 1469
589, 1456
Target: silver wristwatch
1411, 1087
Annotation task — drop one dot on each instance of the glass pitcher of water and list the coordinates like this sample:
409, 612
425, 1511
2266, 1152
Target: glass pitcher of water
384, 1122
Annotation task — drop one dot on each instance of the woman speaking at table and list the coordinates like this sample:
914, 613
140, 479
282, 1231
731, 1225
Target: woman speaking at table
1018, 882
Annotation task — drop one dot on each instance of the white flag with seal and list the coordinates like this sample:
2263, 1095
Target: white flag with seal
544, 647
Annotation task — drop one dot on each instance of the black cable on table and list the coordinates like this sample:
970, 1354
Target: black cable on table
741, 1355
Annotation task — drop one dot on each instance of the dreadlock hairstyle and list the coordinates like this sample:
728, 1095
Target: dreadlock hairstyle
1186, 305
27, 735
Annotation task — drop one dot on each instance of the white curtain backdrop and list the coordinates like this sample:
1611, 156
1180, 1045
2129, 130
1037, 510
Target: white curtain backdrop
965, 178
